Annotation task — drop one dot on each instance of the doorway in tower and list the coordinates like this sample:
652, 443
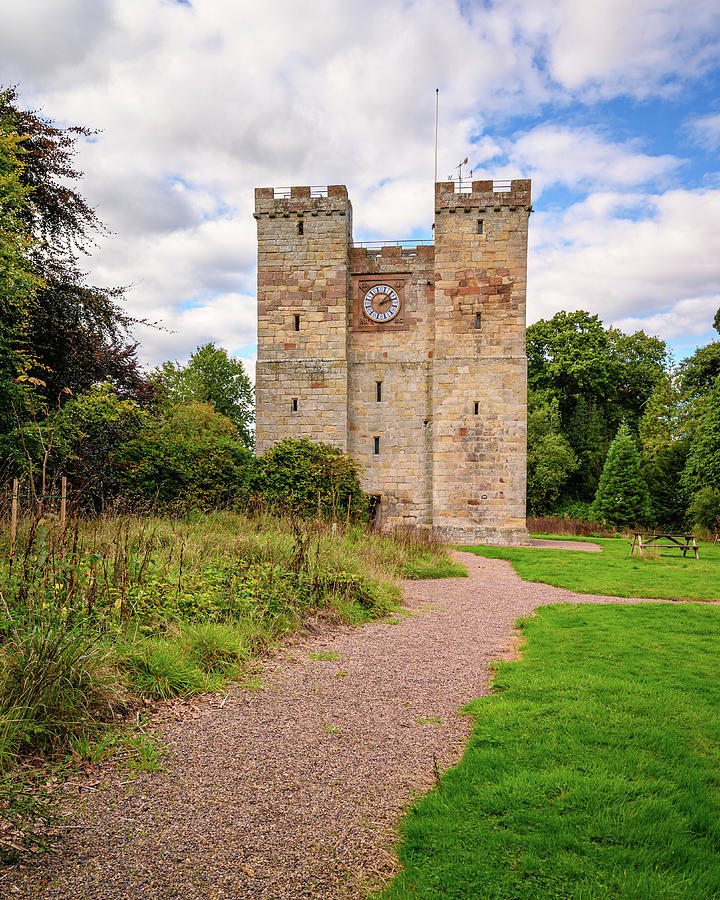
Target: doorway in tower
374, 518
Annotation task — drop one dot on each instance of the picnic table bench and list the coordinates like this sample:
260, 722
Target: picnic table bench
644, 541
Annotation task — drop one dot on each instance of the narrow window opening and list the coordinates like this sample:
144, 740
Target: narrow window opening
378, 391
477, 408
297, 322
301, 227
377, 445
478, 320
295, 404
480, 226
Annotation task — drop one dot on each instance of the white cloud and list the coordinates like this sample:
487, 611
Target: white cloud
613, 47
199, 104
626, 257
705, 131
578, 158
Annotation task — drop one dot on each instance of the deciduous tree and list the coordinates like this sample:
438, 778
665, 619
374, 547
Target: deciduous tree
211, 376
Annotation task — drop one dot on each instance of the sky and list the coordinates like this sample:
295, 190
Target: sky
611, 108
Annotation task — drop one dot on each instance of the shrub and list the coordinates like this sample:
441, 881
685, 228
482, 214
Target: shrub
705, 509
299, 476
192, 454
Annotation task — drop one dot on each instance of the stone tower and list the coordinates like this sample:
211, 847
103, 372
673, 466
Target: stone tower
412, 359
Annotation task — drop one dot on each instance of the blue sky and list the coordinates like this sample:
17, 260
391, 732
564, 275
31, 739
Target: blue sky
613, 110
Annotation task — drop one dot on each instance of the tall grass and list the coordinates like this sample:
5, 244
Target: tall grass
126, 606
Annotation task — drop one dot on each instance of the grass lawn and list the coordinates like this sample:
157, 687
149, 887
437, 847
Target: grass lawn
594, 771
614, 572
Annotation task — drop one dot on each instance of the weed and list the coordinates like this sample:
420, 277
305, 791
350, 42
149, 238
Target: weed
341, 674
252, 683
326, 654
159, 668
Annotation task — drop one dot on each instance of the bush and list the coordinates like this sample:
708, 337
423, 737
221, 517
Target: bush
705, 509
192, 454
298, 476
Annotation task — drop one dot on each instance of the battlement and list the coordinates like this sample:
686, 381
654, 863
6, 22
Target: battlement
302, 200
360, 255
452, 195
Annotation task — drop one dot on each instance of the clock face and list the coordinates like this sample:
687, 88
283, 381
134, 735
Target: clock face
381, 303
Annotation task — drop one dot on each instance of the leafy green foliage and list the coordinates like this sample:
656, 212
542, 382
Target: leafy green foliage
705, 509
76, 334
93, 428
622, 496
191, 455
551, 460
306, 478
19, 283
592, 768
703, 463
599, 378
211, 376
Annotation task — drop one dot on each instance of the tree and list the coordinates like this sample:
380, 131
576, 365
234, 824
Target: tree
622, 496
703, 463
697, 374
705, 509
551, 460
93, 428
19, 282
600, 377
76, 334
211, 376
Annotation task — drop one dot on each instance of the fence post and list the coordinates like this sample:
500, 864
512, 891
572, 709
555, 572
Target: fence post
63, 504
13, 519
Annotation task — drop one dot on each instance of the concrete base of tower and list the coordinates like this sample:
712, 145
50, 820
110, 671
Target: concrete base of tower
514, 535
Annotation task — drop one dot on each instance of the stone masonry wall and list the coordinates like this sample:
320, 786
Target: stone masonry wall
303, 245
479, 458
399, 355
451, 420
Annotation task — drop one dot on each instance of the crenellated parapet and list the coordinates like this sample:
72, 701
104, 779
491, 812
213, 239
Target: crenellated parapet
302, 201
451, 196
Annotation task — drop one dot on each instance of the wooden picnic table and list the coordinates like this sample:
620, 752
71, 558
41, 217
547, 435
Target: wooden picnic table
644, 540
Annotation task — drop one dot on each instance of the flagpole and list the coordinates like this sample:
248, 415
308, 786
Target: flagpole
437, 96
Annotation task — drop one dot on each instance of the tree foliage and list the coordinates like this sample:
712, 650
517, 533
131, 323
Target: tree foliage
551, 460
703, 463
211, 376
190, 455
19, 282
622, 496
76, 334
301, 477
600, 377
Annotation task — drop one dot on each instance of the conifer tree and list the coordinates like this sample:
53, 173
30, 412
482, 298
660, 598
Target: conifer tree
622, 496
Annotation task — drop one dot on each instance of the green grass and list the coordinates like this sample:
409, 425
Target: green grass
120, 608
594, 771
614, 572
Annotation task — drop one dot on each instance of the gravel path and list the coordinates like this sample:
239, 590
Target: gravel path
295, 789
